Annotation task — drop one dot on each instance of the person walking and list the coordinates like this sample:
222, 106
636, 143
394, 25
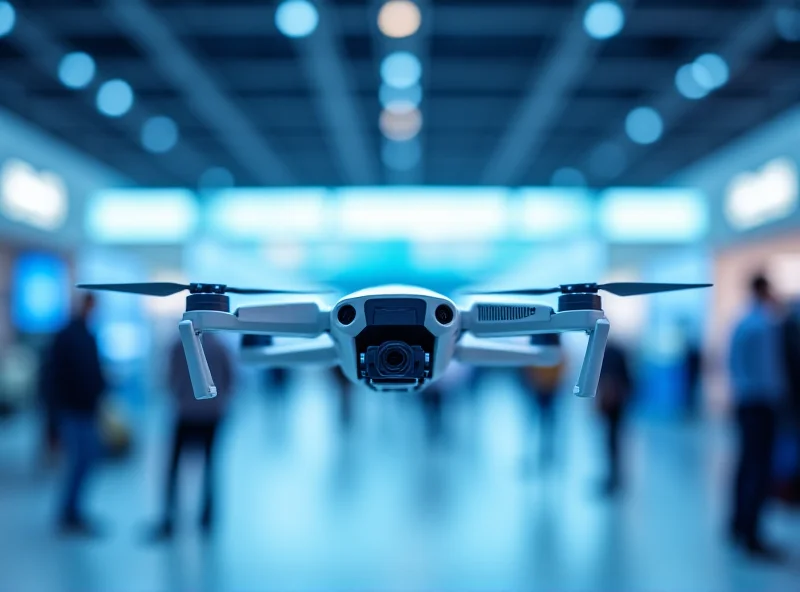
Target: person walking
614, 392
759, 383
197, 424
75, 386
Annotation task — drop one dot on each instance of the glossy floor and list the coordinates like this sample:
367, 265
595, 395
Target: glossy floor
399, 500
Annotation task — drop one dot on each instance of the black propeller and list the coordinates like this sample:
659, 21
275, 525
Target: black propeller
170, 288
616, 288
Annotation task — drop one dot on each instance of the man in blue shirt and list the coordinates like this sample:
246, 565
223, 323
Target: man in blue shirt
759, 384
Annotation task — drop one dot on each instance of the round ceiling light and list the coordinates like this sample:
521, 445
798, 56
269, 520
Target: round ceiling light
401, 125
399, 18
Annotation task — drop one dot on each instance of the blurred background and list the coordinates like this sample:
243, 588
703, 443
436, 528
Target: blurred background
444, 143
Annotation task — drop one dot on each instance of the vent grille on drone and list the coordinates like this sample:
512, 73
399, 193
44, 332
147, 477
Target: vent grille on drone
504, 313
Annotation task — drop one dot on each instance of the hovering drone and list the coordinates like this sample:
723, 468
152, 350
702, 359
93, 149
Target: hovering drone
396, 338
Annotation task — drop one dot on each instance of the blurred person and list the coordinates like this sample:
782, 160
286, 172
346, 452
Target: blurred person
613, 394
759, 383
542, 384
76, 385
791, 349
196, 424
693, 369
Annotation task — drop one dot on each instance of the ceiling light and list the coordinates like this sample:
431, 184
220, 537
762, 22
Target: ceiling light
8, 17
390, 94
568, 177
710, 71
114, 98
159, 134
399, 18
787, 22
76, 69
603, 20
644, 125
401, 69
296, 18
400, 126
401, 156
687, 84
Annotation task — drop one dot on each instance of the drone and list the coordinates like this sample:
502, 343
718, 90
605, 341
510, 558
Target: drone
396, 338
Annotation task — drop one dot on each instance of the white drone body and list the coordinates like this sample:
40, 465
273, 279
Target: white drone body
397, 338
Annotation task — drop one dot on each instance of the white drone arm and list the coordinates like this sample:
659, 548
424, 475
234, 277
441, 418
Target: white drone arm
495, 319
293, 319
312, 352
491, 352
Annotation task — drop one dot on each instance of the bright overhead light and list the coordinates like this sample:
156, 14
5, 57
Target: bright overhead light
710, 71
399, 18
390, 94
603, 19
36, 198
787, 22
296, 18
401, 156
644, 125
400, 125
76, 69
568, 177
8, 16
115, 98
401, 69
687, 84
754, 198
159, 134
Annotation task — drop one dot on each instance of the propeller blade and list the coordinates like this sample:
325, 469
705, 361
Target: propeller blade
643, 288
146, 289
256, 291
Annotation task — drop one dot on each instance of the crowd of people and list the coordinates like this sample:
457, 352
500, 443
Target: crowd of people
765, 391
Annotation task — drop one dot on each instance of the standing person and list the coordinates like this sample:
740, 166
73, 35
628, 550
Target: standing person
759, 382
614, 392
543, 384
76, 386
197, 424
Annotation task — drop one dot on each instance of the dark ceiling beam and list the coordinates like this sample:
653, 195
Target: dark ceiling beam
45, 50
742, 46
173, 60
452, 20
546, 98
327, 73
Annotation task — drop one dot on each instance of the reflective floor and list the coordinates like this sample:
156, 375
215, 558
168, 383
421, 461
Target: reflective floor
397, 499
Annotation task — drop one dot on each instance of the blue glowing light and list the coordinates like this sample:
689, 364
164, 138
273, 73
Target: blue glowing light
710, 71
401, 156
603, 19
390, 95
687, 84
401, 69
115, 98
159, 134
76, 69
8, 16
296, 18
644, 125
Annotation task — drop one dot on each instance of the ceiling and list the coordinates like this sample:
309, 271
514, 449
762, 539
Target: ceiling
513, 89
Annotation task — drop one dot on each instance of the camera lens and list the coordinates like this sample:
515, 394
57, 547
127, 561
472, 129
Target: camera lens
444, 314
394, 358
346, 314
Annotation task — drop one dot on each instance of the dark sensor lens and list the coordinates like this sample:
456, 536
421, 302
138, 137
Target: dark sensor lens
346, 314
444, 314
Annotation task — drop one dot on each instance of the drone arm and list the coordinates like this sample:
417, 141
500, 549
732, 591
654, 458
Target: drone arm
593, 360
284, 319
314, 352
199, 372
489, 352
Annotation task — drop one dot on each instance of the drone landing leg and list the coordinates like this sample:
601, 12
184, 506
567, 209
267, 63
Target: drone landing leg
199, 372
593, 361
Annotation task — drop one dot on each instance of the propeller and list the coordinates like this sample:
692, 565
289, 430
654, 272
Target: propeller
170, 288
616, 288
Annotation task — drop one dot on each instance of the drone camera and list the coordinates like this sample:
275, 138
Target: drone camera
394, 361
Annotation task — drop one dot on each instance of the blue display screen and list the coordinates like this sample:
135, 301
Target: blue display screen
39, 293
